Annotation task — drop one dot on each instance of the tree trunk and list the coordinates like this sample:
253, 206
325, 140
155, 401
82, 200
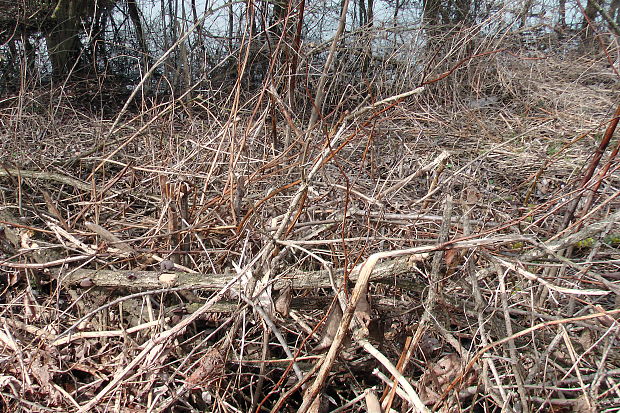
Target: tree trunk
614, 10
134, 14
461, 11
63, 42
231, 20
589, 15
431, 12
524, 13
362, 13
562, 15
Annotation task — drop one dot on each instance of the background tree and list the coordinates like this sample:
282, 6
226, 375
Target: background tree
122, 39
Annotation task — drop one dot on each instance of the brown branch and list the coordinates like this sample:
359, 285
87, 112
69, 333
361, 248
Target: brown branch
611, 128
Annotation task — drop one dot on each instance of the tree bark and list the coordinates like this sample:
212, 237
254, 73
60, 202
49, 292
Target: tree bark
134, 15
398, 268
63, 42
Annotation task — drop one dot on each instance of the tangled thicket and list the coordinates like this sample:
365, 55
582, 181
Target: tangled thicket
198, 254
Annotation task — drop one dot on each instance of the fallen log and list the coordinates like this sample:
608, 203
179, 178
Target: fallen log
398, 268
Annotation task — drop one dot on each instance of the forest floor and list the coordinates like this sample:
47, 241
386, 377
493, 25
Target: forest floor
190, 262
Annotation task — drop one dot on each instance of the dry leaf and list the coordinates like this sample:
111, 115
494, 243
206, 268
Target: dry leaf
438, 376
30, 305
42, 372
6, 247
362, 310
472, 196
429, 345
211, 367
13, 278
264, 298
449, 256
331, 328
283, 302
25, 240
51, 207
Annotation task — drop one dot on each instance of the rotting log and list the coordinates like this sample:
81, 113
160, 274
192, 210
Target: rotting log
398, 268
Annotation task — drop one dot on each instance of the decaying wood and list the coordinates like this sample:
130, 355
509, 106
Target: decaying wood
401, 267
48, 176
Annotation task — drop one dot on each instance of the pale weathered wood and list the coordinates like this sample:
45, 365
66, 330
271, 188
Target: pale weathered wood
48, 176
402, 267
